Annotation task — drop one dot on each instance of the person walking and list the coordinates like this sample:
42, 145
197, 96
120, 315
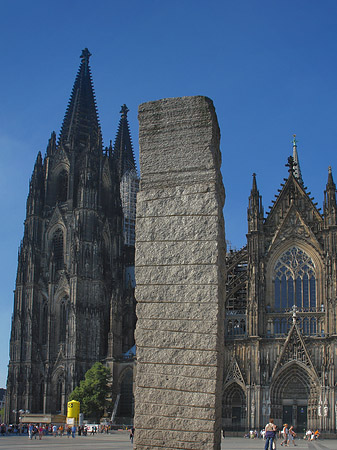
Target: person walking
292, 435
270, 429
30, 431
285, 433
132, 434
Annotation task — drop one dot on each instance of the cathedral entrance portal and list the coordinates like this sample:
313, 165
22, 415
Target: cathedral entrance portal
291, 393
234, 408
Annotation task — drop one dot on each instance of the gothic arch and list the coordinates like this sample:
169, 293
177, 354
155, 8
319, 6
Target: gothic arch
308, 249
58, 185
234, 406
295, 385
58, 389
62, 316
61, 186
125, 389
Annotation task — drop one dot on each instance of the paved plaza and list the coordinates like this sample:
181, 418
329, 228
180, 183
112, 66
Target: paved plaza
120, 440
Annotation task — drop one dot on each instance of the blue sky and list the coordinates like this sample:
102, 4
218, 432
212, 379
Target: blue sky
270, 66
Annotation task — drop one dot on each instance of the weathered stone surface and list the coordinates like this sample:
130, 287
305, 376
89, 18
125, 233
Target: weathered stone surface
176, 356
179, 252
176, 339
186, 206
146, 396
175, 252
186, 384
178, 293
175, 311
179, 228
178, 369
178, 325
188, 412
195, 274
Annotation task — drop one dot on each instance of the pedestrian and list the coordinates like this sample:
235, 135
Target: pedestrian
292, 435
270, 429
132, 434
308, 434
285, 433
30, 431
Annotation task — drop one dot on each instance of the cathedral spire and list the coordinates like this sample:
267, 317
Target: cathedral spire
81, 128
296, 167
123, 151
330, 205
255, 208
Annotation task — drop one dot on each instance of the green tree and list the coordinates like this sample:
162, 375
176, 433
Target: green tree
92, 392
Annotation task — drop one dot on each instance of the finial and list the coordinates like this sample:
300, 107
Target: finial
329, 169
294, 308
291, 164
85, 55
294, 141
124, 110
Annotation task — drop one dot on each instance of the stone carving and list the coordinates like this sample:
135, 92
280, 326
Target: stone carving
180, 291
234, 373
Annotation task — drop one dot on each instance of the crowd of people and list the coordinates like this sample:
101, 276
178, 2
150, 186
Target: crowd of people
311, 435
287, 434
37, 431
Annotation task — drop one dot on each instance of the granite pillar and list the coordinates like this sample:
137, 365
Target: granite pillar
180, 260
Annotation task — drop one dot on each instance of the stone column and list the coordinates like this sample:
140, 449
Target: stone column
180, 269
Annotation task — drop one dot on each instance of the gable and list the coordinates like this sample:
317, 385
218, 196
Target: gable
293, 228
234, 373
56, 219
294, 350
293, 195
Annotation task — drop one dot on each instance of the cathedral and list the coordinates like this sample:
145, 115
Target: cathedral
280, 323
74, 296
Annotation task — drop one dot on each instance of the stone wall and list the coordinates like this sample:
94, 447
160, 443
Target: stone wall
180, 260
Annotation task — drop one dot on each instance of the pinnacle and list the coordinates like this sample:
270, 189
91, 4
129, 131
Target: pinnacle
81, 125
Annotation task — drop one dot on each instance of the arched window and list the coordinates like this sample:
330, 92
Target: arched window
305, 329
277, 328
62, 186
126, 399
294, 281
44, 322
313, 326
59, 395
57, 248
63, 320
41, 396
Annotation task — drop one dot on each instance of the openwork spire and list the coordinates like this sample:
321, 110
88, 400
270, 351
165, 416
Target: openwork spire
123, 151
81, 128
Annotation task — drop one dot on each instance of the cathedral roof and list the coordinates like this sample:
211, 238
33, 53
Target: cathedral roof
81, 126
123, 151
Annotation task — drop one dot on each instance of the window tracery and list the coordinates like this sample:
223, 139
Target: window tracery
295, 281
295, 284
57, 246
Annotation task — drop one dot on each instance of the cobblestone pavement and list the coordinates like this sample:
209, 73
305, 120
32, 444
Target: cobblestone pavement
119, 440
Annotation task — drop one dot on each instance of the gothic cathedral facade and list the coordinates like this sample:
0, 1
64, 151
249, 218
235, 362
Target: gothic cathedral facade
280, 325
74, 297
